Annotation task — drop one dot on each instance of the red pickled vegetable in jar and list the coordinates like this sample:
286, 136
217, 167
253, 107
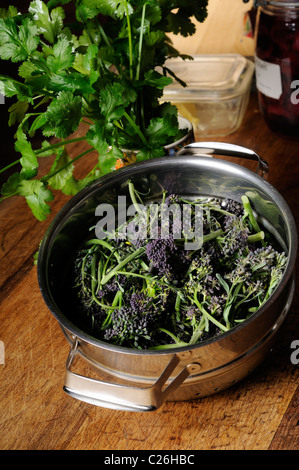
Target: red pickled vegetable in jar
277, 66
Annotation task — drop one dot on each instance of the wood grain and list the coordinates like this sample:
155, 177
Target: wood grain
261, 412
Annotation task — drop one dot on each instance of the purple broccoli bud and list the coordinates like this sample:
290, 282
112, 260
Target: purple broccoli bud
159, 252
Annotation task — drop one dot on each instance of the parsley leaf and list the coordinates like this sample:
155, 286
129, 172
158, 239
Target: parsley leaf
37, 196
109, 7
9, 12
10, 87
160, 129
63, 115
100, 68
62, 57
49, 24
62, 170
10, 187
157, 80
28, 160
17, 112
17, 43
114, 99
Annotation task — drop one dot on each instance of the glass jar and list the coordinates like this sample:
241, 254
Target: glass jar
277, 65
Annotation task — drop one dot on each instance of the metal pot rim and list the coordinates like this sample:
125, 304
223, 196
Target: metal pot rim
128, 170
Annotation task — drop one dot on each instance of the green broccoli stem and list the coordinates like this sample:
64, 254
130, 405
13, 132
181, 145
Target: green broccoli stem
197, 332
123, 263
208, 316
104, 243
180, 344
133, 197
210, 236
94, 282
207, 238
154, 280
116, 304
248, 211
256, 237
177, 341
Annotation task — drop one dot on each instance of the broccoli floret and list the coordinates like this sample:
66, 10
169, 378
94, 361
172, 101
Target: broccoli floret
159, 252
134, 324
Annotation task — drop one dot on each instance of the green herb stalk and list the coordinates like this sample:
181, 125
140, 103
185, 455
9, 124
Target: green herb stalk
98, 68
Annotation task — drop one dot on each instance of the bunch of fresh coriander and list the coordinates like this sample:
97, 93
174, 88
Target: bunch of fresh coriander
97, 67
152, 293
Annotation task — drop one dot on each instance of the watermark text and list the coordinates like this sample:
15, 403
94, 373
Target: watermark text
152, 221
295, 353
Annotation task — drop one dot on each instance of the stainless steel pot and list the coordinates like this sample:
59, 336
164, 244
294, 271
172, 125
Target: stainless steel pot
141, 380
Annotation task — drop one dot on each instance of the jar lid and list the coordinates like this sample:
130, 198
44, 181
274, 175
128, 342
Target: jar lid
283, 3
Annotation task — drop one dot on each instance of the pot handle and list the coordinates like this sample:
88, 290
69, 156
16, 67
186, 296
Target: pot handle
124, 397
231, 150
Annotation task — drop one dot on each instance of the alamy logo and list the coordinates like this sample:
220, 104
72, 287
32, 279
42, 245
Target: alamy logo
2, 95
295, 353
295, 94
150, 221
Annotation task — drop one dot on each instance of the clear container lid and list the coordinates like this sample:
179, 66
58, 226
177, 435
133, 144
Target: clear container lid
209, 77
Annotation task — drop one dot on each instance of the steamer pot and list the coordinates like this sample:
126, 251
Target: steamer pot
142, 380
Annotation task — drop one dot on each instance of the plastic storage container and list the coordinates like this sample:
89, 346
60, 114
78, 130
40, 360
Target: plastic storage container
217, 92
277, 66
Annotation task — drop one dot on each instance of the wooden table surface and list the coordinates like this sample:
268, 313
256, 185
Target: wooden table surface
259, 413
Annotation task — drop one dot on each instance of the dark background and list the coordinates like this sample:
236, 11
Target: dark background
7, 150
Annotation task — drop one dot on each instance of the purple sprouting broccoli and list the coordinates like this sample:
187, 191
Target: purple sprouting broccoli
234, 239
172, 199
160, 253
234, 207
133, 324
